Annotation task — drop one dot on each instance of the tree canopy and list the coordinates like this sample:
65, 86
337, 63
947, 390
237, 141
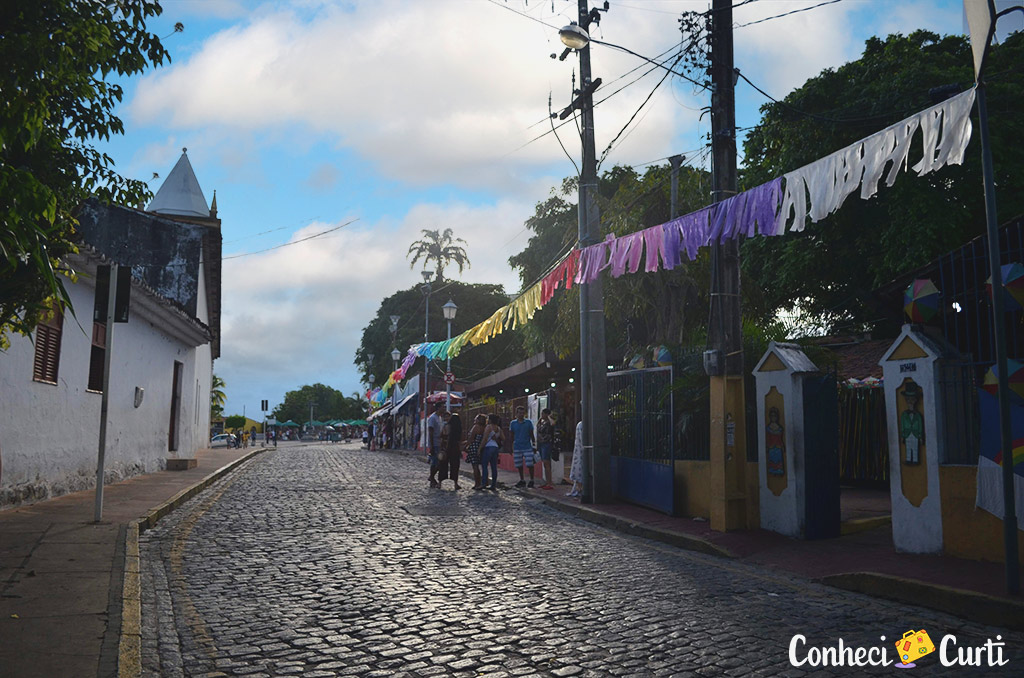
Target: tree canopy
666, 307
328, 403
829, 271
58, 58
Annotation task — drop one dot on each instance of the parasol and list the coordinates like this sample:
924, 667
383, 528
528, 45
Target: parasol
921, 301
1013, 284
1014, 380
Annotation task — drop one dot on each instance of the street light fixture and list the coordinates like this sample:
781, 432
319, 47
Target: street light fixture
395, 356
449, 310
573, 36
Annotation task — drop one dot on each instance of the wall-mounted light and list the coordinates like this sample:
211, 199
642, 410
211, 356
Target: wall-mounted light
140, 393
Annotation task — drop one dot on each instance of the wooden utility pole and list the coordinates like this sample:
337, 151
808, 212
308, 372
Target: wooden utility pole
725, 364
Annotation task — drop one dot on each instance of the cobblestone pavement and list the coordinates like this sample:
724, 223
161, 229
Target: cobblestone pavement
335, 561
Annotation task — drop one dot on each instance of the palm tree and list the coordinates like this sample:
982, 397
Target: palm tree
217, 396
440, 248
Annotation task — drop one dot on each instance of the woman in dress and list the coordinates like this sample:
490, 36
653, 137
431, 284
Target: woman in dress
473, 440
493, 439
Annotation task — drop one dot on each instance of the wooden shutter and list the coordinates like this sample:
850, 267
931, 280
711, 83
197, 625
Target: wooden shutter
47, 358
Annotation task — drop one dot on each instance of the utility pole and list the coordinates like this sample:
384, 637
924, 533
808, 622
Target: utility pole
108, 350
725, 362
676, 161
593, 371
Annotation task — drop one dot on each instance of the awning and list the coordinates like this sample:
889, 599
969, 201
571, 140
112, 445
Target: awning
404, 401
383, 410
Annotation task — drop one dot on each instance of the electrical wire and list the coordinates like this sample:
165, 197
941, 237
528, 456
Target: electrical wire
551, 118
273, 230
806, 113
523, 14
652, 61
295, 242
611, 144
779, 16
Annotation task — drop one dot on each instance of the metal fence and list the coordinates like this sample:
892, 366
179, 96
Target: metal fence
960, 423
640, 414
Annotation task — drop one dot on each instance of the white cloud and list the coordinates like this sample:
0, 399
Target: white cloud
295, 315
414, 87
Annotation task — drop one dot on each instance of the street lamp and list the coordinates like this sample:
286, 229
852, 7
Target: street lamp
426, 337
395, 356
449, 310
593, 379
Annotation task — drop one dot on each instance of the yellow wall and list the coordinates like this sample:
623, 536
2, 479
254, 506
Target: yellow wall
692, 488
968, 531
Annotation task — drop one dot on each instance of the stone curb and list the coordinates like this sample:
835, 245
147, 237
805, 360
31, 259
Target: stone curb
976, 607
129, 659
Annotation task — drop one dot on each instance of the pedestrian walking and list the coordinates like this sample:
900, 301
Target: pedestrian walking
473, 441
576, 468
545, 443
493, 440
366, 438
522, 445
449, 466
434, 449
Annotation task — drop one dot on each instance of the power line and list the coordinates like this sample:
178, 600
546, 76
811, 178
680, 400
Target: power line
611, 144
806, 113
296, 242
779, 16
281, 228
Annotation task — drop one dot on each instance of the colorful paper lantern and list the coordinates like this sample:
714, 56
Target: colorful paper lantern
1013, 284
1014, 380
921, 301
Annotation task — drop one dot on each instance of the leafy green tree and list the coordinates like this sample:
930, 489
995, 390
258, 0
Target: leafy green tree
476, 303
58, 57
217, 397
440, 248
234, 422
328, 403
667, 307
829, 271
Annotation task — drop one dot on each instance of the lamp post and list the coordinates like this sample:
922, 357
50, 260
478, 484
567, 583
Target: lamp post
982, 18
395, 356
426, 361
449, 310
593, 379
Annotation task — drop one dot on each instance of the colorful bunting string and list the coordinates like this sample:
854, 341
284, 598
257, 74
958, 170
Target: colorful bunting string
815, 190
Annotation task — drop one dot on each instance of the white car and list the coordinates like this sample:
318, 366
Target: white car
223, 440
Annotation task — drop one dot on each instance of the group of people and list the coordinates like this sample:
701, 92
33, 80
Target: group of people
446, 442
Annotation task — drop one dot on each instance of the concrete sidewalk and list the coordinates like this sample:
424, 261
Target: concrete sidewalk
61, 574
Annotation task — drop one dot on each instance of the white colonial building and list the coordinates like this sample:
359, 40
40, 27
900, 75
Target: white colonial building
161, 359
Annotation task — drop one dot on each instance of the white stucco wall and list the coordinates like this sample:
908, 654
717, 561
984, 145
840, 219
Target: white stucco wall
915, 529
49, 433
785, 513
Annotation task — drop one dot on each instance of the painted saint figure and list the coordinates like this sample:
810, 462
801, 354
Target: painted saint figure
775, 444
911, 424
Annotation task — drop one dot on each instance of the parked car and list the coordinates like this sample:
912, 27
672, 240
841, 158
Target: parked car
223, 440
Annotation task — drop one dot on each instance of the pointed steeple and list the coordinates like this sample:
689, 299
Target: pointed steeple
180, 193
213, 205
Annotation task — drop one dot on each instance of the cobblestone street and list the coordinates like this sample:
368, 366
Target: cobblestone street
335, 561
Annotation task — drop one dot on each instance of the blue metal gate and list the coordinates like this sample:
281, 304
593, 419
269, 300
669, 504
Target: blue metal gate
642, 449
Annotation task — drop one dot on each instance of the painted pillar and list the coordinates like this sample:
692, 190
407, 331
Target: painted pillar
780, 375
914, 412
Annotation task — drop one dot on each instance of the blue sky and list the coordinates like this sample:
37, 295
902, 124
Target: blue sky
406, 115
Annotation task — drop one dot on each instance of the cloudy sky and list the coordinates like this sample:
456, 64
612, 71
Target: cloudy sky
405, 115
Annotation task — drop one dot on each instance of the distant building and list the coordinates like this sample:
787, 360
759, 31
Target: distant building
162, 358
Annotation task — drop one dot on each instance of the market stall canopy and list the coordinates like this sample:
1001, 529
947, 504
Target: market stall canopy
441, 397
381, 411
404, 401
